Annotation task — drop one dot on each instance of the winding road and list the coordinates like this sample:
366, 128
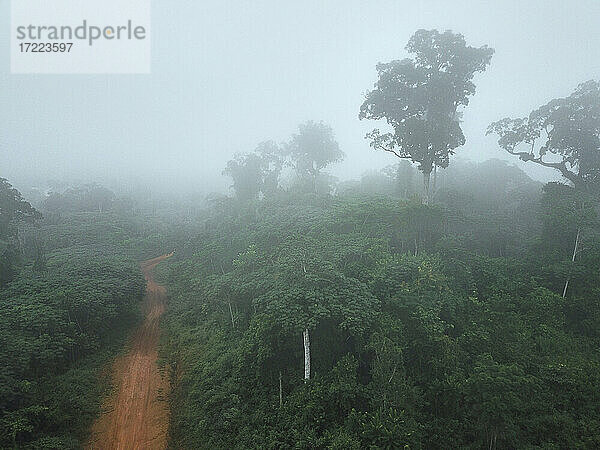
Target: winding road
136, 415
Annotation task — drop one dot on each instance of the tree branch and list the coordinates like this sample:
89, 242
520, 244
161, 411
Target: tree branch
390, 150
560, 166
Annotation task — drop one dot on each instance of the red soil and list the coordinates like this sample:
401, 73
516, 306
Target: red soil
136, 416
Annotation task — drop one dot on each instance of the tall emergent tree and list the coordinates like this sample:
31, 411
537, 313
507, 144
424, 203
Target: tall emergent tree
246, 172
257, 172
564, 134
311, 150
420, 98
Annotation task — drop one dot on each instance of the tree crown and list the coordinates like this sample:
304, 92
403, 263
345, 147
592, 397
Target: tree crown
420, 97
563, 134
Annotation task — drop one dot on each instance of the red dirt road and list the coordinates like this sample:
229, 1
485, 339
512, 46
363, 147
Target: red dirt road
136, 416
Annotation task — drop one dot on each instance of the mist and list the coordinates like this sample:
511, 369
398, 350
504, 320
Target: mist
320, 224
229, 75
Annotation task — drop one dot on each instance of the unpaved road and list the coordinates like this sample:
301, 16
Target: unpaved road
136, 416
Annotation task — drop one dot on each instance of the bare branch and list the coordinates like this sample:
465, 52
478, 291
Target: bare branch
560, 166
390, 150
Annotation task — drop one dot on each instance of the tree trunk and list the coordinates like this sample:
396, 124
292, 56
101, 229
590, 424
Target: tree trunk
280, 391
306, 354
426, 178
572, 261
231, 314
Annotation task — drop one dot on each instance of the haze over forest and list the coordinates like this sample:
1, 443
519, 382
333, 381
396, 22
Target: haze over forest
245, 72
314, 225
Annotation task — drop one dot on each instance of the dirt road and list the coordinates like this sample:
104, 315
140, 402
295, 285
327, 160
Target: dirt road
136, 416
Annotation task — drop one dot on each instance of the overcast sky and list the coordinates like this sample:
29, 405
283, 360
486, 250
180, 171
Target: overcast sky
227, 75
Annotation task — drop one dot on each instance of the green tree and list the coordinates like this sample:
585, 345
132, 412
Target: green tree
13, 210
303, 291
246, 172
272, 164
570, 222
420, 98
257, 172
311, 150
87, 197
564, 134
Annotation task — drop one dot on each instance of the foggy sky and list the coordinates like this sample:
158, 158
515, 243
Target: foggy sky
227, 75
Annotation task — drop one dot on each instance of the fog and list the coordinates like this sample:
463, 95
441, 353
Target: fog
228, 75
307, 226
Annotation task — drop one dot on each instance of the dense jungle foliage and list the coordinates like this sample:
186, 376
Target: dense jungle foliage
430, 326
71, 287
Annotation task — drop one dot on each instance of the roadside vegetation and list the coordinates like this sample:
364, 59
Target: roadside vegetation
71, 286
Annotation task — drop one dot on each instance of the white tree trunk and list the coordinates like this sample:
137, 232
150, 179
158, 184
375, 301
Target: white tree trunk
572, 260
306, 354
280, 390
231, 314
